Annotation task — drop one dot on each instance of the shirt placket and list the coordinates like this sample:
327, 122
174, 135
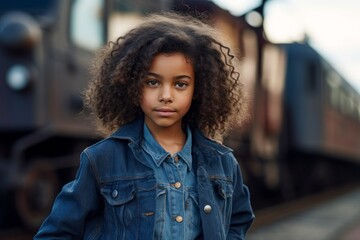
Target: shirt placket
173, 167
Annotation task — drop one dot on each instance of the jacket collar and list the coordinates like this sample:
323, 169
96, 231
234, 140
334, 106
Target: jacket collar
158, 153
133, 132
202, 142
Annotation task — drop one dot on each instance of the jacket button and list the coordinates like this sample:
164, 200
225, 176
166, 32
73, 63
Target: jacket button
114, 193
177, 185
207, 209
179, 219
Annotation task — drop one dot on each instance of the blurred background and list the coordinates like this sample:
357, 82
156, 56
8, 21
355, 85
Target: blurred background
299, 65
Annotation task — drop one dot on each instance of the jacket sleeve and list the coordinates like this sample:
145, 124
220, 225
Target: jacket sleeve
77, 202
242, 215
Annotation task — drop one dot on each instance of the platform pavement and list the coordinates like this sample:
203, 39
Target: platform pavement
352, 233
337, 219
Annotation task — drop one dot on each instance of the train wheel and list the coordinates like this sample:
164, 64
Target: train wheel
36, 195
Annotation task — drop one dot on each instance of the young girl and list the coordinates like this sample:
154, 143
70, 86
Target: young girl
163, 90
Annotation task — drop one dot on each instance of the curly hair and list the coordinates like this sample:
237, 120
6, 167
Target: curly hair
114, 93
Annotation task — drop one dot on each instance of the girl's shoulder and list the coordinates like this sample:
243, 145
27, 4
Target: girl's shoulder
204, 143
131, 132
104, 147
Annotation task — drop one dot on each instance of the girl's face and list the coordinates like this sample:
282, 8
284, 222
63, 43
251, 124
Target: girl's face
167, 91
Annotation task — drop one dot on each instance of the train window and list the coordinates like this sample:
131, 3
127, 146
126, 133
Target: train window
127, 14
351, 106
334, 96
348, 104
86, 28
354, 106
340, 96
325, 85
344, 103
333, 81
312, 76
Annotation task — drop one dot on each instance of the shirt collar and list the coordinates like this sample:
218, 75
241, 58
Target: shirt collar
158, 153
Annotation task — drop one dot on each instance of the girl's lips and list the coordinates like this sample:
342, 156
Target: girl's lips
165, 112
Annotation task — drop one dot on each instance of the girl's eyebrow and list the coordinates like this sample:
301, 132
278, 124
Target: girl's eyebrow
154, 75
159, 76
183, 76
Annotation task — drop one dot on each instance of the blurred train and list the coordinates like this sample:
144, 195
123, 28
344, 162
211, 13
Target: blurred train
305, 130
303, 113
42, 73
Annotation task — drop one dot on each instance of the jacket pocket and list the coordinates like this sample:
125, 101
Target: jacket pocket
129, 206
224, 191
224, 188
118, 193
192, 202
120, 207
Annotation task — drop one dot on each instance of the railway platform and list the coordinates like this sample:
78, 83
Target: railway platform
337, 218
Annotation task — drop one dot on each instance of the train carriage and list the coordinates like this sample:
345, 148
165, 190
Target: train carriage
305, 128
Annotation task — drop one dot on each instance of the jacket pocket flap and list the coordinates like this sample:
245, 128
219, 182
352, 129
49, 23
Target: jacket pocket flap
118, 193
223, 187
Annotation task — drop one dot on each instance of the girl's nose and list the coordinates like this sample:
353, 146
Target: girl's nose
166, 95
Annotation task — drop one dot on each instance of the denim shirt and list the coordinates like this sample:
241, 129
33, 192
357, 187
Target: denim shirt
177, 210
113, 195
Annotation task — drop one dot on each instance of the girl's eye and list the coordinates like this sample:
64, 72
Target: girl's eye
152, 83
181, 85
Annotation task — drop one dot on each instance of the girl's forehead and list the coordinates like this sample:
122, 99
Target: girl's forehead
183, 55
171, 64
178, 57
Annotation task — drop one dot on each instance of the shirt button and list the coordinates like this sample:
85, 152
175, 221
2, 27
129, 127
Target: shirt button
176, 158
179, 219
178, 185
207, 209
114, 193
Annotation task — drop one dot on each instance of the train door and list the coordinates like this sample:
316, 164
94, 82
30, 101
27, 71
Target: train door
304, 94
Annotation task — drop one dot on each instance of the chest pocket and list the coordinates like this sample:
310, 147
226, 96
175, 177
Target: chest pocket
222, 187
130, 206
118, 193
223, 190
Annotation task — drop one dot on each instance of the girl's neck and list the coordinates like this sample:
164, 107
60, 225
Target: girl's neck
171, 139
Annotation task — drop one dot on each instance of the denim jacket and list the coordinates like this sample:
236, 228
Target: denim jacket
114, 193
